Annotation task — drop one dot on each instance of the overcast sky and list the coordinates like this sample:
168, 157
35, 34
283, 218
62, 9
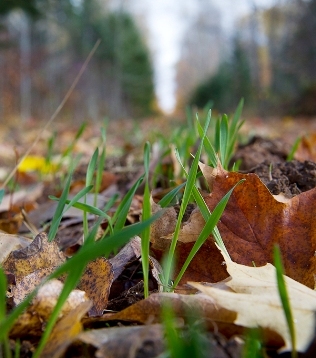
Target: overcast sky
167, 20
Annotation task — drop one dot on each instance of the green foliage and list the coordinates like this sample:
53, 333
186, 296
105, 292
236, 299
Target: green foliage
188, 342
122, 54
210, 218
232, 80
253, 345
146, 214
29, 6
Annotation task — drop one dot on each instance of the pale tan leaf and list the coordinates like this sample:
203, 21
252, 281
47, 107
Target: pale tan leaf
256, 301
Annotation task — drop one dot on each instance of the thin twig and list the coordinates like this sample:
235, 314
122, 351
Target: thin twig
59, 108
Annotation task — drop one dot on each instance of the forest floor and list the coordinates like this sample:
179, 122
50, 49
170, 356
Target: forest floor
113, 319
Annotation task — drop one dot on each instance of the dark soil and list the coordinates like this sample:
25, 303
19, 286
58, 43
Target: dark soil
267, 159
290, 178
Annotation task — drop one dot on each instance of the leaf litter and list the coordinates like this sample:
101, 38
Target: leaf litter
234, 295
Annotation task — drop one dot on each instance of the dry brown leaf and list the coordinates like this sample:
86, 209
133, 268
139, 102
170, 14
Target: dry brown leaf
256, 301
121, 342
96, 281
198, 306
307, 148
31, 321
39, 254
162, 227
130, 250
150, 308
9, 243
19, 198
254, 221
65, 331
25, 285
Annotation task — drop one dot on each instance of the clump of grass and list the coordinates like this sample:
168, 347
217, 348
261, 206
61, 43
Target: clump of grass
210, 218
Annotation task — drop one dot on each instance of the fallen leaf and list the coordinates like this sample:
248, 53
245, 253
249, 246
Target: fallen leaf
21, 197
96, 281
31, 321
129, 251
25, 285
254, 221
9, 243
205, 266
254, 297
307, 148
197, 307
121, 342
65, 331
37, 255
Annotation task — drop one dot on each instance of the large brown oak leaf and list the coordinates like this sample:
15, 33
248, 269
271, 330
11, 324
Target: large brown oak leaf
254, 220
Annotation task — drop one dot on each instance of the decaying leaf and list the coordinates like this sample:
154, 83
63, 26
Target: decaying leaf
31, 321
150, 308
9, 243
307, 148
25, 285
254, 221
39, 254
130, 250
121, 342
96, 281
65, 331
162, 227
255, 299
206, 265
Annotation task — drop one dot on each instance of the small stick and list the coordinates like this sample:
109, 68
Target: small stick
59, 108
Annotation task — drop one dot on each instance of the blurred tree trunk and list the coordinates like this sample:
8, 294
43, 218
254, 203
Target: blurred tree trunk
25, 63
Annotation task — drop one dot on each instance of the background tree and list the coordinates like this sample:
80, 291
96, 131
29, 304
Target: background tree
231, 82
117, 83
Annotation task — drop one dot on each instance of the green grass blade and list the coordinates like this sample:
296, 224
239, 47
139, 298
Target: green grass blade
217, 135
62, 209
284, 297
206, 231
84, 207
173, 340
120, 215
185, 200
91, 167
77, 197
206, 213
71, 146
50, 148
223, 140
294, 149
210, 151
146, 213
89, 178
99, 175
234, 125
1, 194
253, 344
70, 283
59, 210
168, 198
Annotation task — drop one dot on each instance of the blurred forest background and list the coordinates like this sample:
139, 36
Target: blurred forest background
269, 59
